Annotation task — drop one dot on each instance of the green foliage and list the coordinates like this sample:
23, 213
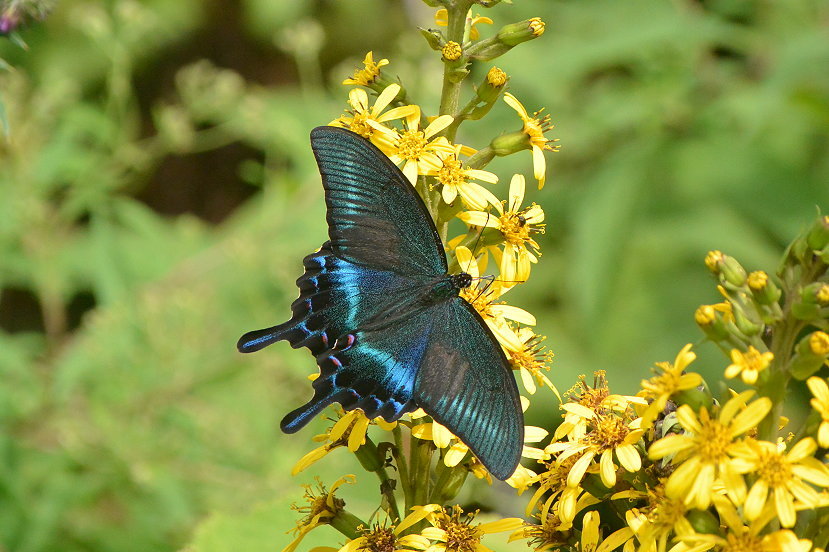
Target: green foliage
127, 416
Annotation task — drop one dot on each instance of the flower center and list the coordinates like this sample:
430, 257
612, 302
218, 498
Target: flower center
460, 537
514, 227
713, 441
451, 173
663, 511
380, 540
773, 469
411, 145
743, 543
360, 126
610, 432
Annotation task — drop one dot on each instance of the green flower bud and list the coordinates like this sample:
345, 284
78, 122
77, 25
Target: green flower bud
745, 325
732, 271
818, 236
516, 33
810, 355
810, 301
711, 322
507, 144
764, 291
703, 522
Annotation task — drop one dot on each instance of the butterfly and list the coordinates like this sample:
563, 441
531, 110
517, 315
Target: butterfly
384, 319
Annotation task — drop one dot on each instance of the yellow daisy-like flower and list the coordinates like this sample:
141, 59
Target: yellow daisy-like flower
782, 474
455, 180
483, 294
356, 119
703, 454
748, 364
591, 538
349, 430
418, 150
669, 379
369, 73
662, 517
517, 226
454, 531
535, 128
820, 403
607, 433
597, 398
739, 537
557, 495
322, 507
382, 538
532, 360
442, 19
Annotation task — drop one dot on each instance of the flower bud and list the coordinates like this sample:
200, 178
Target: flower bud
764, 291
713, 260
507, 144
810, 355
747, 326
488, 92
703, 522
732, 271
516, 33
812, 298
711, 322
452, 51
496, 78
818, 236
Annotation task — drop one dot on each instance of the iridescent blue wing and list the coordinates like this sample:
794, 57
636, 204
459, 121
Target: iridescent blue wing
465, 383
375, 217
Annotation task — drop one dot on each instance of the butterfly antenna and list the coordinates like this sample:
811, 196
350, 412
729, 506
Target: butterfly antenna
477, 242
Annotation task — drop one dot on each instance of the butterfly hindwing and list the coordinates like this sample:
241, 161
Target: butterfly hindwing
465, 384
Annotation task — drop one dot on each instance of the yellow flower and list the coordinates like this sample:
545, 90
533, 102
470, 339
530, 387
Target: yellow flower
453, 531
516, 225
322, 507
553, 483
783, 474
607, 433
590, 535
535, 128
662, 516
418, 150
455, 180
483, 294
820, 403
357, 118
739, 538
442, 19
382, 538
748, 365
349, 430
530, 360
369, 73
703, 452
672, 379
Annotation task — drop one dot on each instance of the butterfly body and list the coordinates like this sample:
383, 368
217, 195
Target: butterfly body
385, 320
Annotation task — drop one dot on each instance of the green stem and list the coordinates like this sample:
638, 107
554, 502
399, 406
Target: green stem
347, 523
402, 466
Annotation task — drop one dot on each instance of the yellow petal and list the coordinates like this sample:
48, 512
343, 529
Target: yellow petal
516, 105
516, 192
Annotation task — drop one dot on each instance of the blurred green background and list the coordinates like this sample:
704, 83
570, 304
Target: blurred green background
157, 195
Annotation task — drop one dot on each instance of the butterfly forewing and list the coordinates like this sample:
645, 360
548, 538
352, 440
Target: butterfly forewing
375, 217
